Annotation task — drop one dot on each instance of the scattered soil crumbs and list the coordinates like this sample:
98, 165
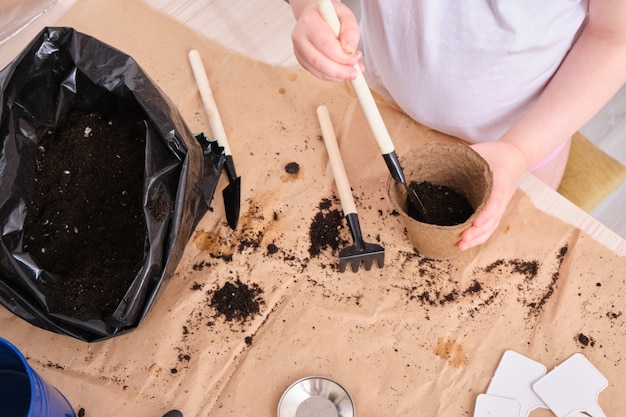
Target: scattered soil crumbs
237, 301
533, 295
536, 307
247, 238
250, 241
528, 269
613, 315
184, 356
436, 286
325, 230
85, 222
444, 206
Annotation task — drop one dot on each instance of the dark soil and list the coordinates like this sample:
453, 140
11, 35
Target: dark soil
444, 206
85, 223
292, 168
437, 288
325, 229
528, 268
536, 306
585, 340
236, 301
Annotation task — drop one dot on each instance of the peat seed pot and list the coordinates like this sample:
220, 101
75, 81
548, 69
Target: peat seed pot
450, 165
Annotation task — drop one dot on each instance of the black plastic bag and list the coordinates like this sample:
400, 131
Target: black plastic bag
36, 91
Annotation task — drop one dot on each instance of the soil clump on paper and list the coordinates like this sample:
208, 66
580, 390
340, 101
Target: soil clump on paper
325, 229
292, 168
237, 301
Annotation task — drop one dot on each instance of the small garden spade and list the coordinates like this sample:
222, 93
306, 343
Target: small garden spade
232, 192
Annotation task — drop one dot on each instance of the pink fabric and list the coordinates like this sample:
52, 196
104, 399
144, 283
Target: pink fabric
550, 157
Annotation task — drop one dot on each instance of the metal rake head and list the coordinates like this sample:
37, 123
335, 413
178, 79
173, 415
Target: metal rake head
365, 254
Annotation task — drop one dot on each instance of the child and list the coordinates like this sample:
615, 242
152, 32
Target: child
514, 78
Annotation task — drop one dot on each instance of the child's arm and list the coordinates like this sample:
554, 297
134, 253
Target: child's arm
317, 48
590, 75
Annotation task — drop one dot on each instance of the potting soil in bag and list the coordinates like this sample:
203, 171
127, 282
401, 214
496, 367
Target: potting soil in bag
101, 185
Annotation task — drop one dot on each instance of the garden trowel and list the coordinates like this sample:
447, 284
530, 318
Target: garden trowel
232, 192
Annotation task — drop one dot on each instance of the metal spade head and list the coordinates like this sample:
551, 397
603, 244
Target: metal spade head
232, 202
395, 169
232, 193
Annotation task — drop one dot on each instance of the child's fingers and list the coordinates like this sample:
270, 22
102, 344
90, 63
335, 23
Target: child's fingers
321, 66
477, 235
333, 49
484, 225
322, 54
349, 34
321, 51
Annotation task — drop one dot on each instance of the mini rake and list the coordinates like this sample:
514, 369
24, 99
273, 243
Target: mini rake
360, 251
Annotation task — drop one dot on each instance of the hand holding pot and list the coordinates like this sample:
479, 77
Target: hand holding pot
507, 165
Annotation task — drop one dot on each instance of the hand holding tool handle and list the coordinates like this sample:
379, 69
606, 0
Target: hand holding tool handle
361, 89
336, 163
217, 128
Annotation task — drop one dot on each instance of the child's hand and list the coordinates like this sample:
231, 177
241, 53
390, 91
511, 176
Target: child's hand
319, 50
507, 164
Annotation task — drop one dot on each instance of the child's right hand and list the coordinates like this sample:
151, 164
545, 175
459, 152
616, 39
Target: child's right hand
316, 46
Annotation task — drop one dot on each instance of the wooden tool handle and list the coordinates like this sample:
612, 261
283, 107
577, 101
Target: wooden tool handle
361, 89
336, 163
217, 128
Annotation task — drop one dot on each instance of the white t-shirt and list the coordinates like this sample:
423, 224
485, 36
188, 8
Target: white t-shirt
469, 68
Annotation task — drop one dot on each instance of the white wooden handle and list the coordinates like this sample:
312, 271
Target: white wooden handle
217, 128
327, 10
361, 89
336, 163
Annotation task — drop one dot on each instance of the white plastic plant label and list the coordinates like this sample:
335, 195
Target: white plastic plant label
571, 389
514, 379
493, 406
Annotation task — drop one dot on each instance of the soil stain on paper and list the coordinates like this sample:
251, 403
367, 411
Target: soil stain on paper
451, 351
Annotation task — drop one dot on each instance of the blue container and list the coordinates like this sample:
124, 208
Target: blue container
23, 393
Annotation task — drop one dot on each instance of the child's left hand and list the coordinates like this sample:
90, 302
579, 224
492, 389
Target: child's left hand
507, 164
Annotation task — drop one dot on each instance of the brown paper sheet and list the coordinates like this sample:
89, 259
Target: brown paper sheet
418, 337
